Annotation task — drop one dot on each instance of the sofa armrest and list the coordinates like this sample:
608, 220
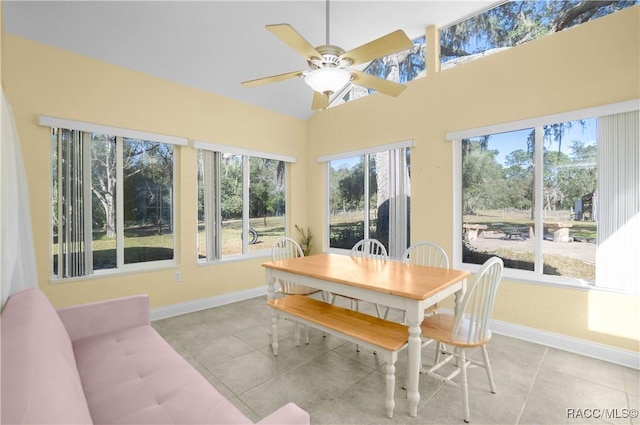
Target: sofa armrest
85, 320
289, 414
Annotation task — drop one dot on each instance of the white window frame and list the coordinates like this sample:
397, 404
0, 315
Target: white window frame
120, 134
538, 123
217, 257
397, 223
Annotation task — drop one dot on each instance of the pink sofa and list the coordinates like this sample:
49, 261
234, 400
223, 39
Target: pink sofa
103, 363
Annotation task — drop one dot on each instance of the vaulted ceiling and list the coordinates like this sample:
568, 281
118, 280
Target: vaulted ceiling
215, 45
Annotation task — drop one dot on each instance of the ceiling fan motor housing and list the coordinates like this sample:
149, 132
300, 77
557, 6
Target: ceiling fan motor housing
330, 58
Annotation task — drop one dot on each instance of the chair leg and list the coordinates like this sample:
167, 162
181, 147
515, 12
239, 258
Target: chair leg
464, 385
296, 333
306, 335
487, 367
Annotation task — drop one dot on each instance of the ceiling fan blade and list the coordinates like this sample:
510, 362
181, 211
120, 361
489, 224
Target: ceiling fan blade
291, 38
272, 79
383, 46
378, 84
320, 101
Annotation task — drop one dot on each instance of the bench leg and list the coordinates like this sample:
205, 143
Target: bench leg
390, 403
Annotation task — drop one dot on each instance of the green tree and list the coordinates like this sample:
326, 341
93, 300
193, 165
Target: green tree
483, 181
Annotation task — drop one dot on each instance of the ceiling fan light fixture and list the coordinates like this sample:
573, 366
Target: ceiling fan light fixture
327, 80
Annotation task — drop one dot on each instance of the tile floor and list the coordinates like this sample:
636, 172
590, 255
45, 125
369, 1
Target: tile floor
337, 385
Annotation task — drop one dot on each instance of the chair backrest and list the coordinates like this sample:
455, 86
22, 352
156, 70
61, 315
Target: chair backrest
369, 248
426, 253
285, 248
282, 249
477, 305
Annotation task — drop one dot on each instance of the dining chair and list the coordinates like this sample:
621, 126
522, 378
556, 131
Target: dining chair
366, 248
284, 248
426, 253
467, 328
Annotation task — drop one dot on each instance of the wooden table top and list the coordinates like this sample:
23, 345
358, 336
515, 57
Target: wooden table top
387, 276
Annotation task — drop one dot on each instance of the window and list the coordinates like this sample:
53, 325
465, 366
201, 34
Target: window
558, 201
241, 201
398, 67
112, 199
368, 197
517, 22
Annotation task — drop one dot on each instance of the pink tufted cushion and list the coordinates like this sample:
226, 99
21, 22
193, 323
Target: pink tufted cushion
132, 376
40, 382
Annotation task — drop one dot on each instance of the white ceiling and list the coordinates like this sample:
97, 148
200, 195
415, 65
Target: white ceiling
215, 45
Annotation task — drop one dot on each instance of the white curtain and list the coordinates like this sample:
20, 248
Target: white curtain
618, 202
17, 258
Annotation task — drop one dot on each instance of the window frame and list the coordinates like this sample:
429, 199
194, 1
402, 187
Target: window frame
120, 134
325, 160
538, 123
246, 254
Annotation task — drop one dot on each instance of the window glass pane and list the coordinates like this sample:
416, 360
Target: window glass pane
54, 201
570, 199
148, 200
266, 202
103, 183
346, 202
202, 237
497, 198
517, 22
231, 203
379, 197
398, 67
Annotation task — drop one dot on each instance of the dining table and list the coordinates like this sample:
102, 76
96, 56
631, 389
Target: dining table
409, 287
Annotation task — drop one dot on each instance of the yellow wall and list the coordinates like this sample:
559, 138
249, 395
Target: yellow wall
44, 80
594, 64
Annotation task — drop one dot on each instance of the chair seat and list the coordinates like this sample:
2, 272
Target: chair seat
439, 327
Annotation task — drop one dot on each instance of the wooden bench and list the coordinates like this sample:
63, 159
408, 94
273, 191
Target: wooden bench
474, 231
383, 336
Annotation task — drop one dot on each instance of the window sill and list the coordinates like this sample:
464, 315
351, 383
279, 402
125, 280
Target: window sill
526, 277
129, 270
262, 254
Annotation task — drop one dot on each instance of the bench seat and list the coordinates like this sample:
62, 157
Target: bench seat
385, 337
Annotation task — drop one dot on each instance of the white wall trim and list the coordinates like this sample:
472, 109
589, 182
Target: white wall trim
371, 150
204, 303
566, 343
216, 147
597, 111
112, 131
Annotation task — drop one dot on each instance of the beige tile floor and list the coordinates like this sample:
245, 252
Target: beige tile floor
337, 385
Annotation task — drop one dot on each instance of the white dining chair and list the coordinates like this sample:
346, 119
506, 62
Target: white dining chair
284, 248
468, 328
426, 253
366, 248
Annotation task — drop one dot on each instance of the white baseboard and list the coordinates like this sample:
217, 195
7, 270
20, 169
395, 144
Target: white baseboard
566, 343
574, 345
204, 303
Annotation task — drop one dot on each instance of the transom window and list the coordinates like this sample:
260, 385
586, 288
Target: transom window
517, 22
398, 67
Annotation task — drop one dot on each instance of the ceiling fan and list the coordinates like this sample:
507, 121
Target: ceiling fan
331, 67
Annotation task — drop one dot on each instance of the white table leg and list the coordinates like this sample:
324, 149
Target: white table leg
414, 361
390, 403
274, 313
